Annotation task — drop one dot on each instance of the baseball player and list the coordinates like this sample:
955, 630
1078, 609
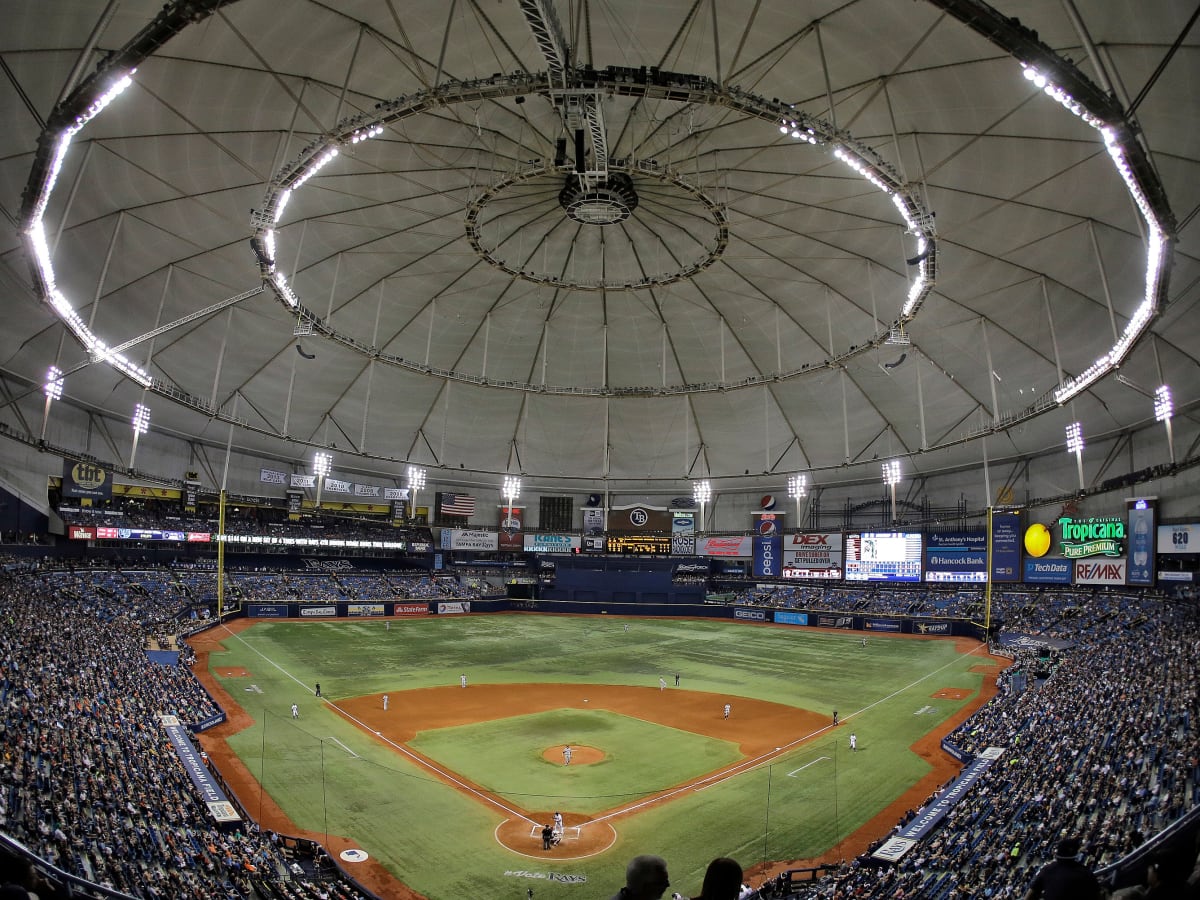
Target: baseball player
385, 702
295, 710
727, 709
462, 679
662, 684
567, 755
853, 742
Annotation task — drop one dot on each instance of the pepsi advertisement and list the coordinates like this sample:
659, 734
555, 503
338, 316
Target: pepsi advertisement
1006, 546
768, 556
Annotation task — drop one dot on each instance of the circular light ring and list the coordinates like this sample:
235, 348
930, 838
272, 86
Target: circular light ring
611, 199
676, 87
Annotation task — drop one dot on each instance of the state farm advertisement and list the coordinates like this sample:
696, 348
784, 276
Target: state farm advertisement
817, 553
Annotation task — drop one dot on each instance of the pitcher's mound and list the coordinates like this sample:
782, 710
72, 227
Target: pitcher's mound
580, 755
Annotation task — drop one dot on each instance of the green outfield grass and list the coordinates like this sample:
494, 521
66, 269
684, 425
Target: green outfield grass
331, 778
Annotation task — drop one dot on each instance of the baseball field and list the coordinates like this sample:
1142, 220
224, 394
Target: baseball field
446, 788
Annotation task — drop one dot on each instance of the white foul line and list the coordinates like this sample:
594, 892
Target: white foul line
792, 774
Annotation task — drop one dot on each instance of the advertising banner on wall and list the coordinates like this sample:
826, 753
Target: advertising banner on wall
767, 522
1141, 533
1006, 546
1048, 571
469, 539
1100, 571
1095, 536
956, 556
1179, 538
639, 518
683, 534
509, 523
593, 520
551, 543
85, 479
768, 556
814, 551
724, 546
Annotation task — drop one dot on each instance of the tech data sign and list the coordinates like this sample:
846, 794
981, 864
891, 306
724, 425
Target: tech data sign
1091, 537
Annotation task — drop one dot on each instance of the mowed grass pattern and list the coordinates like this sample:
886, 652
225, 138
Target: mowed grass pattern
331, 777
640, 758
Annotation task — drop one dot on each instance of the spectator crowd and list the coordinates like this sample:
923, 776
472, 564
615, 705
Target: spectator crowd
1098, 742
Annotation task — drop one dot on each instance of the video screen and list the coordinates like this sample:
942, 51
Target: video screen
883, 556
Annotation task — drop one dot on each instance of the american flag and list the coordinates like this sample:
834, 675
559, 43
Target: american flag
457, 504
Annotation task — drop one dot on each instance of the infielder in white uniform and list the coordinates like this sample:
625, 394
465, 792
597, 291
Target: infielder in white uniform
567, 755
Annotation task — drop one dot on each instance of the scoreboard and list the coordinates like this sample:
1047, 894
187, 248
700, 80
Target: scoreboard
639, 544
883, 556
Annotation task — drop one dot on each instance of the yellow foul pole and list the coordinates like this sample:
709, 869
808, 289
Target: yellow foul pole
221, 557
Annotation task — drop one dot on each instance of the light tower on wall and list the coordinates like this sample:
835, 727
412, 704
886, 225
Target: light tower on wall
1075, 445
1164, 408
322, 465
798, 490
891, 477
702, 493
141, 424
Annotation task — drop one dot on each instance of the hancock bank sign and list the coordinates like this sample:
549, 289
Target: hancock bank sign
1092, 537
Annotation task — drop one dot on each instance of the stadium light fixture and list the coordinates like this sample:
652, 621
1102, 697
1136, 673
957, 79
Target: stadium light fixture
1164, 408
54, 384
511, 491
416, 481
141, 424
1075, 445
797, 490
891, 477
702, 493
53, 389
512, 488
322, 465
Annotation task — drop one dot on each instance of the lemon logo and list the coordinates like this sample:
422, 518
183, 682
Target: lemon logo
1037, 539
88, 476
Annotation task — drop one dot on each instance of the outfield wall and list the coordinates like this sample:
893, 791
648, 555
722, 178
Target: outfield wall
868, 624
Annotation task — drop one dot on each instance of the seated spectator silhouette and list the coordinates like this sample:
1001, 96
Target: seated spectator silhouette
1167, 875
645, 879
1066, 878
722, 881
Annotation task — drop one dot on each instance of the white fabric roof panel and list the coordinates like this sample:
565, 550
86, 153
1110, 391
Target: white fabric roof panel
1037, 235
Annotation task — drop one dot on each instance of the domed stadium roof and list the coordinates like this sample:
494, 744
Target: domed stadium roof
601, 238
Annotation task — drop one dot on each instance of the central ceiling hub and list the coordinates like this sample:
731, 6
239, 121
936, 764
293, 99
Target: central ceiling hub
607, 202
